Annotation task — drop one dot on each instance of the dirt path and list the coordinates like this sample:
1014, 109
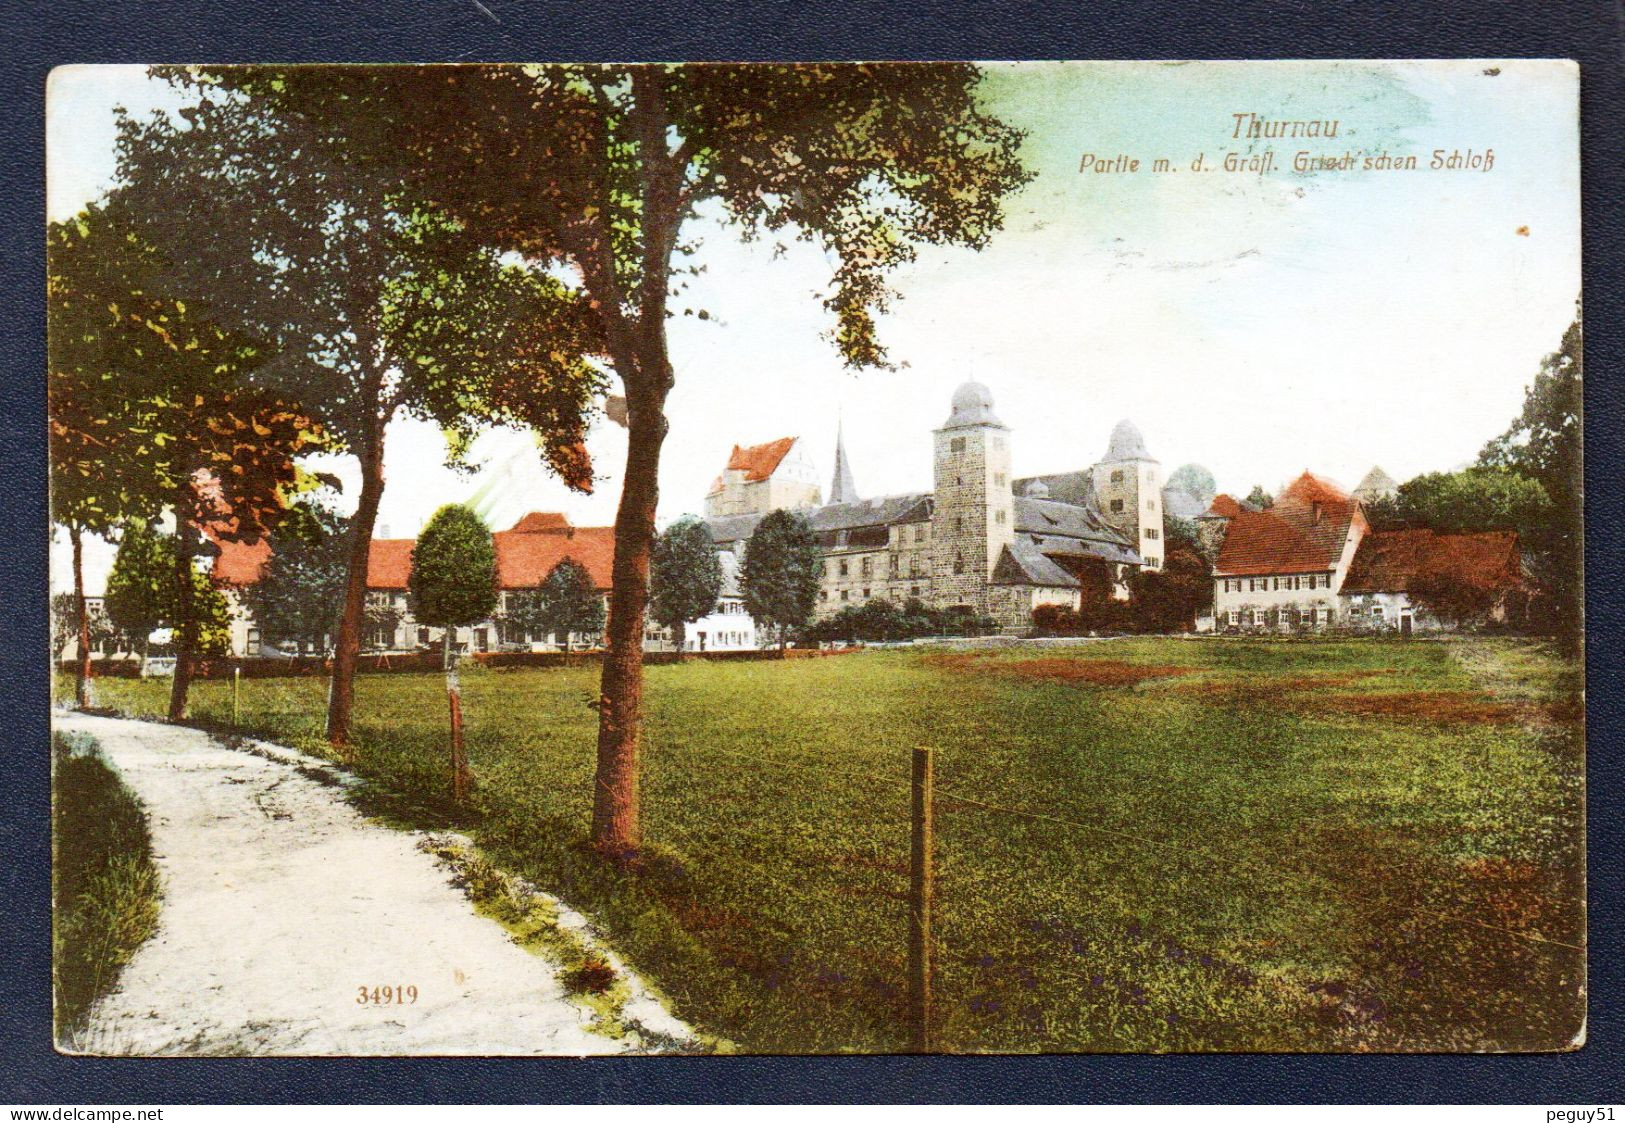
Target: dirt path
280, 902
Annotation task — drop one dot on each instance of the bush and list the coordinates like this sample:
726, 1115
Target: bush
104, 885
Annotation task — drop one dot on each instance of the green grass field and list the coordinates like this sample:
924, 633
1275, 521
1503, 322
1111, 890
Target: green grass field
1221, 844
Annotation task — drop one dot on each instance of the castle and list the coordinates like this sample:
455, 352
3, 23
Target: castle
980, 540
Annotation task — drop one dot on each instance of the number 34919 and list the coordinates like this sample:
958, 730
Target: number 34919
386, 995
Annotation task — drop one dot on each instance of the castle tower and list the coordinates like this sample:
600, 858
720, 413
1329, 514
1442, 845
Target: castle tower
841, 487
1130, 493
974, 516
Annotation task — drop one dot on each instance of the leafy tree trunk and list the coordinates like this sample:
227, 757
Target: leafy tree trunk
186, 541
347, 649
146, 649
620, 719
81, 676
680, 634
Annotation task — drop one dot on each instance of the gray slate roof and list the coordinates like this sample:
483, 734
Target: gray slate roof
1022, 563
1076, 488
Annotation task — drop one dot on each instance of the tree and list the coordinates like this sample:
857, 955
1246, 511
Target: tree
1259, 499
303, 578
685, 577
379, 303
140, 596
196, 441
1474, 499
781, 573
1168, 599
598, 168
1545, 443
453, 584
569, 602
1195, 481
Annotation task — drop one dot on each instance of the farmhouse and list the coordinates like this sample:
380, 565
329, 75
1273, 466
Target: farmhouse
1405, 580
1282, 568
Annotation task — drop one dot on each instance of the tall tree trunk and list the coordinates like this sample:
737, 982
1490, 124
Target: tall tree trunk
186, 537
347, 650
615, 828
81, 669
680, 635
146, 649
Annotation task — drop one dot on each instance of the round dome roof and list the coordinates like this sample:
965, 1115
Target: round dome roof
972, 405
1126, 443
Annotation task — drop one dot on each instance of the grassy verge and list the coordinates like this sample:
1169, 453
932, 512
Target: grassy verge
105, 888
1149, 844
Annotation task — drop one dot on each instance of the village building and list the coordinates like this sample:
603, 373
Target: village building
1391, 566
980, 541
1281, 569
763, 478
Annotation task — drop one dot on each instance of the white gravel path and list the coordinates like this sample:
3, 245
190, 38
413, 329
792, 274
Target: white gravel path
280, 901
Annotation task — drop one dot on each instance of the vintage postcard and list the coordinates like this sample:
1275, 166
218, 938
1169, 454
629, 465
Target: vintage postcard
845, 558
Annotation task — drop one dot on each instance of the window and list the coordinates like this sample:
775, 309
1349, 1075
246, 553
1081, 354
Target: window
253, 640
913, 590
1235, 617
866, 594
998, 479
423, 635
1150, 504
1153, 563
866, 567
892, 565
1117, 477
1153, 533
957, 445
1150, 475
959, 524
998, 517
959, 562
843, 594
843, 567
1117, 506
823, 594
1376, 611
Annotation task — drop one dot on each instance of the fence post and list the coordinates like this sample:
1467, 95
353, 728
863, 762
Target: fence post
919, 915
236, 683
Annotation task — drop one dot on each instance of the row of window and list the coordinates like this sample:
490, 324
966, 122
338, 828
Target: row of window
1258, 617
1276, 584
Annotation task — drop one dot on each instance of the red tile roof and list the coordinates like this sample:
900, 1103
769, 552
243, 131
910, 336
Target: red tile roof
526, 554
758, 462
1303, 533
542, 520
239, 563
1223, 506
525, 558
1389, 561
389, 562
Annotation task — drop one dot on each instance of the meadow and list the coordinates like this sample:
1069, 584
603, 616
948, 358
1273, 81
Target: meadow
1142, 844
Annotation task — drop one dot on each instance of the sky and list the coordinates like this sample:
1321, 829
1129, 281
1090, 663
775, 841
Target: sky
1259, 324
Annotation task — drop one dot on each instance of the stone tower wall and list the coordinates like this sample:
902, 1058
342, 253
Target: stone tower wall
974, 517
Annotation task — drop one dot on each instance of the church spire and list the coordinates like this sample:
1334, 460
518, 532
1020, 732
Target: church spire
841, 487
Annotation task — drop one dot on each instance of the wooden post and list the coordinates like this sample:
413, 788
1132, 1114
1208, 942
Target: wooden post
454, 694
236, 686
919, 916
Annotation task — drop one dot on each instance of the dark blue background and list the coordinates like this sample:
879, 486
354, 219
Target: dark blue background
430, 30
